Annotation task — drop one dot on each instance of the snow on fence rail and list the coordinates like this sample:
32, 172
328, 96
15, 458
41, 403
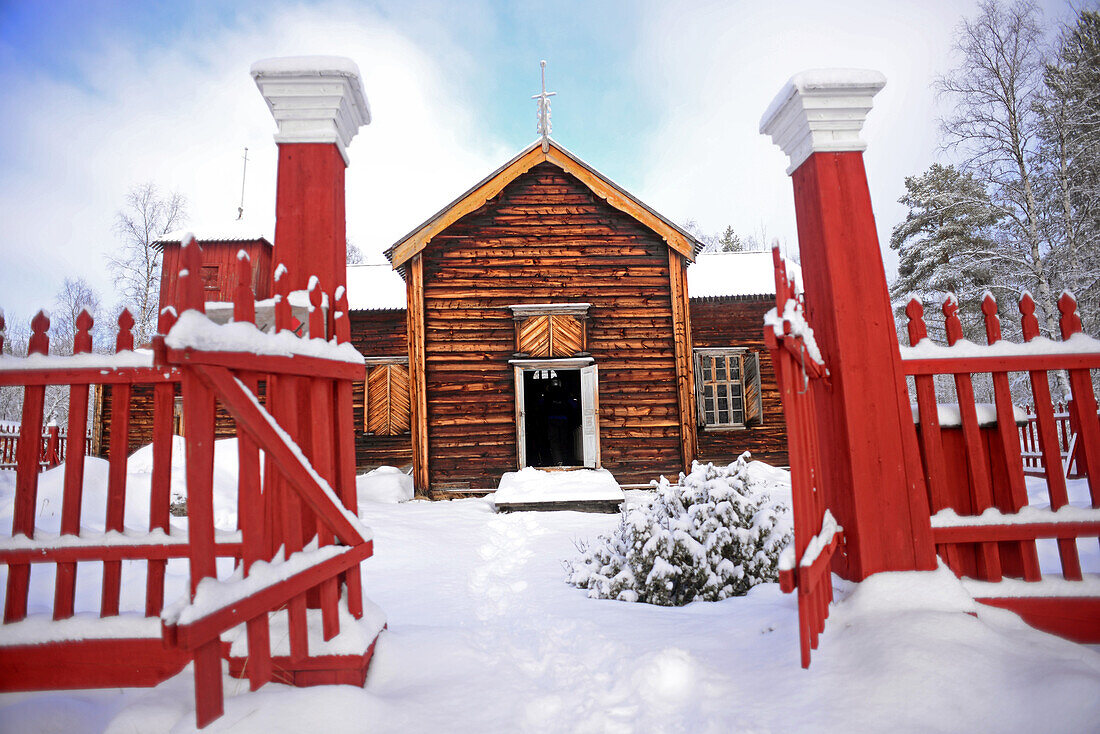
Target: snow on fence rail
303, 499
974, 469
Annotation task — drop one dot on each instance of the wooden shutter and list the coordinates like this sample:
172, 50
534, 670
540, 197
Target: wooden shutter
590, 415
387, 400
534, 336
550, 335
700, 414
566, 336
750, 379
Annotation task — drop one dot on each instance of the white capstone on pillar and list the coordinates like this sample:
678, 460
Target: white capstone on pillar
821, 111
319, 105
869, 480
314, 99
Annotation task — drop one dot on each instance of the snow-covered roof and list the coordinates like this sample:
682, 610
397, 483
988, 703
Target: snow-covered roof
731, 274
226, 233
375, 286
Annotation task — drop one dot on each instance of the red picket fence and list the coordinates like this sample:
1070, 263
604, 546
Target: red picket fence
1067, 444
805, 565
53, 445
298, 545
975, 474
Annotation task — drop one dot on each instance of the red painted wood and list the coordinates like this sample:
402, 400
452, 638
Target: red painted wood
26, 498
198, 632
1075, 618
1048, 441
1023, 559
160, 491
96, 663
94, 376
1015, 531
73, 492
153, 550
252, 419
317, 670
198, 406
868, 482
1084, 404
1025, 363
116, 493
273, 364
310, 236
989, 562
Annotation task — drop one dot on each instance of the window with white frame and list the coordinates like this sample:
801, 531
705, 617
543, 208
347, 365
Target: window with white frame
727, 387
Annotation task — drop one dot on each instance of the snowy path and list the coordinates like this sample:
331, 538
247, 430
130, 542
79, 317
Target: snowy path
485, 636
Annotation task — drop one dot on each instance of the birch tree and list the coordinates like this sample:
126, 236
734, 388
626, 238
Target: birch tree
993, 124
147, 215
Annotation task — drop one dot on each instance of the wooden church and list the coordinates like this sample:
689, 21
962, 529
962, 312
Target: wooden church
547, 318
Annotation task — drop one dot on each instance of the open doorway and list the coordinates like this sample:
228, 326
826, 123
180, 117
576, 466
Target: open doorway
557, 413
553, 417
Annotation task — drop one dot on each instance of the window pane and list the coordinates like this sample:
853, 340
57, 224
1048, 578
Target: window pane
707, 372
723, 415
722, 390
708, 391
720, 368
709, 417
735, 369
738, 416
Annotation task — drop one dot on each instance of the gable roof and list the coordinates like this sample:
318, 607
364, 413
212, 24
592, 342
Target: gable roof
677, 238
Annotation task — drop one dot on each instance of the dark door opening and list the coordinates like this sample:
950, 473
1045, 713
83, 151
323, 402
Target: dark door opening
552, 423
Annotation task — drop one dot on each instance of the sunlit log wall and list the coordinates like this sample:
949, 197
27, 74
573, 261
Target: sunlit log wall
739, 322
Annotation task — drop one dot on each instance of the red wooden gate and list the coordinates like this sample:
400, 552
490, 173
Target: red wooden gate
298, 545
805, 565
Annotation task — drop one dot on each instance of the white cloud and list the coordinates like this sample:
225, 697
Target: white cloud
182, 116
714, 71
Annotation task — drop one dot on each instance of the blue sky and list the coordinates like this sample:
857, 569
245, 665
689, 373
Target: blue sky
663, 97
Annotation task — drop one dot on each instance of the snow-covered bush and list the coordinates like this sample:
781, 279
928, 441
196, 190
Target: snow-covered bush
711, 537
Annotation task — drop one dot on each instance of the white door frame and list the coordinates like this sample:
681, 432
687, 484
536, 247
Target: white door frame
590, 405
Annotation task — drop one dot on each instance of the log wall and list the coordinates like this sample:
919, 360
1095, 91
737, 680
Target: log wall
378, 334
546, 238
739, 322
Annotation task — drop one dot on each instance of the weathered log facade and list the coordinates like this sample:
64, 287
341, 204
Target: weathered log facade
545, 266
738, 321
547, 238
378, 333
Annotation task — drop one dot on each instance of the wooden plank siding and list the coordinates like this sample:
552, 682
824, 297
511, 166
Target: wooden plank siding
222, 256
739, 322
378, 334
546, 238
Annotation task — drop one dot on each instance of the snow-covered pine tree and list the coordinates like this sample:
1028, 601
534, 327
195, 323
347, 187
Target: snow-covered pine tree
712, 536
1069, 153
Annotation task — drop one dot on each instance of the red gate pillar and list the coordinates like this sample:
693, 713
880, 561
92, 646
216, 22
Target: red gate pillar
870, 483
319, 105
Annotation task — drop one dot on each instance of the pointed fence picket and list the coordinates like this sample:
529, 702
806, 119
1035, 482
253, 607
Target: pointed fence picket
296, 501
982, 524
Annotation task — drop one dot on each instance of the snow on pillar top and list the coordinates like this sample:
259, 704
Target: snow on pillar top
821, 110
314, 99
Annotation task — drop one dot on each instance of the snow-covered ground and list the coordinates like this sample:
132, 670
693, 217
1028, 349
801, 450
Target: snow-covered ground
485, 635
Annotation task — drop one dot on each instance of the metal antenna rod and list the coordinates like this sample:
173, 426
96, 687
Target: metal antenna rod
244, 172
